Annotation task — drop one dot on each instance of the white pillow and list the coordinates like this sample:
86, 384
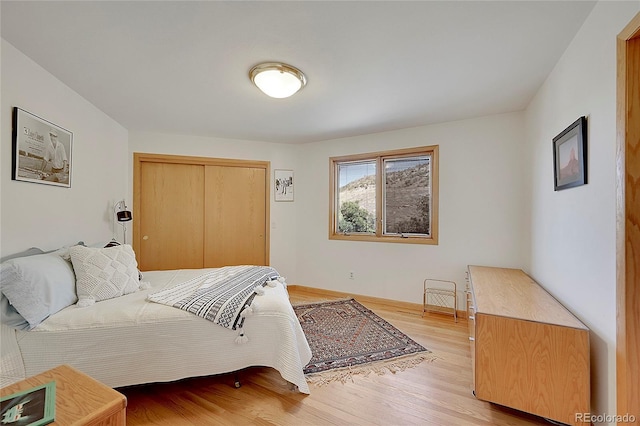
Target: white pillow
104, 273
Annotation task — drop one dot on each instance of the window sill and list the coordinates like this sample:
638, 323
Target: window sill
433, 240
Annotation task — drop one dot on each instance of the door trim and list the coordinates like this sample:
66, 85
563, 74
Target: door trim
140, 157
628, 220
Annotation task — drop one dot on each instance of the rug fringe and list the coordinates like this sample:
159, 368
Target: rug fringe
380, 368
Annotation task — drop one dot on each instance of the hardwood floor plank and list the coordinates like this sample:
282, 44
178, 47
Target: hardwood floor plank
431, 393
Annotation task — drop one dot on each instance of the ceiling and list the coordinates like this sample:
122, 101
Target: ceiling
182, 67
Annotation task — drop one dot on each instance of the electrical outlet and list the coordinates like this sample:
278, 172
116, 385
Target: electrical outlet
352, 275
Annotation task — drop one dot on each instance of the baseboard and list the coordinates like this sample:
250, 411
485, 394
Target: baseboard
415, 308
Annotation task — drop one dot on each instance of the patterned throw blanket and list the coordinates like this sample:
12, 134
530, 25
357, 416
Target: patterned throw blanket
220, 295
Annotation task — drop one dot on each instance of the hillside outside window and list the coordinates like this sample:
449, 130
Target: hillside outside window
389, 196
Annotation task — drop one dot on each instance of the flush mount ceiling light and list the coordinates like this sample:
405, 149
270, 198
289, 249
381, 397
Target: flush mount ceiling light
277, 80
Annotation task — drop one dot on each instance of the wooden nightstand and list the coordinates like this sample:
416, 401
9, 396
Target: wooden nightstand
80, 400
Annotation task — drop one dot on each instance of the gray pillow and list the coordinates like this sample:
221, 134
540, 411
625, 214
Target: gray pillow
29, 252
8, 314
38, 286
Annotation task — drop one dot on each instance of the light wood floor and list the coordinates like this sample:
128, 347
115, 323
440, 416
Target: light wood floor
432, 393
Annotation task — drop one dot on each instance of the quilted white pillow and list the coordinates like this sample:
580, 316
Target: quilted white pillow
104, 273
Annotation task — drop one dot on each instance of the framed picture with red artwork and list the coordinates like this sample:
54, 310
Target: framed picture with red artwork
570, 156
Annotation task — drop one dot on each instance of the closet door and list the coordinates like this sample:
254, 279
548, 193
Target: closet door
235, 212
170, 216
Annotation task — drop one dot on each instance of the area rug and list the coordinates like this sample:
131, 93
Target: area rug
347, 339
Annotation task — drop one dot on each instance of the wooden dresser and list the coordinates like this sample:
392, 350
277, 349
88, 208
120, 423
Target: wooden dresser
528, 351
80, 400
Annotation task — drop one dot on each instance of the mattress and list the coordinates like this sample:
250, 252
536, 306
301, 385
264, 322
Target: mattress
129, 340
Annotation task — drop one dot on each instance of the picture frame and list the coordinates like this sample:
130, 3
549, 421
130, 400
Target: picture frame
32, 407
570, 156
41, 150
283, 185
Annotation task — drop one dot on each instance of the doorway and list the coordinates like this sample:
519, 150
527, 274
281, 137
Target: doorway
628, 220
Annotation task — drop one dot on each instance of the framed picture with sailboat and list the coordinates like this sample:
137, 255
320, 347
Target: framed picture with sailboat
41, 150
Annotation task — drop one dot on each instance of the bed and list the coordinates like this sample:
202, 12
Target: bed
130, 340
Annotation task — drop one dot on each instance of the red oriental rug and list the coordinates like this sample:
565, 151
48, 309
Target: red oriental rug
346, 338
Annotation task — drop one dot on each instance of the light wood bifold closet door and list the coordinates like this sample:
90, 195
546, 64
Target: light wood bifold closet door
195, 212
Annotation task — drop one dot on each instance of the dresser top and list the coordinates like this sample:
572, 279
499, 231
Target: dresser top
512, 293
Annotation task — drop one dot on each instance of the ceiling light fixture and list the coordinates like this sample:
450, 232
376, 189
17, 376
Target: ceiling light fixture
277, 80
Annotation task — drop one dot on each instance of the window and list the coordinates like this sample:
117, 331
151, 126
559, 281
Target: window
387, 196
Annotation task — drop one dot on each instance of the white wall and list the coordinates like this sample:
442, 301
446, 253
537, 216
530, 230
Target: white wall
480, 160
49, 216
481, 211
282, 156
573, 233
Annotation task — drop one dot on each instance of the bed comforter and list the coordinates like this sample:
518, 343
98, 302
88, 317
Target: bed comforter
129, 340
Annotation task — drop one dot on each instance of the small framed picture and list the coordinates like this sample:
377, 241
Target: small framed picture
570, 156
283, 185
32, 407
41, 150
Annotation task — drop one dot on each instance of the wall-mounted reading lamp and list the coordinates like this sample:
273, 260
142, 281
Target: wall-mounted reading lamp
123, 215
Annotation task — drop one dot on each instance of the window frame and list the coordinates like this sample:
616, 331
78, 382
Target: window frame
378, 157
